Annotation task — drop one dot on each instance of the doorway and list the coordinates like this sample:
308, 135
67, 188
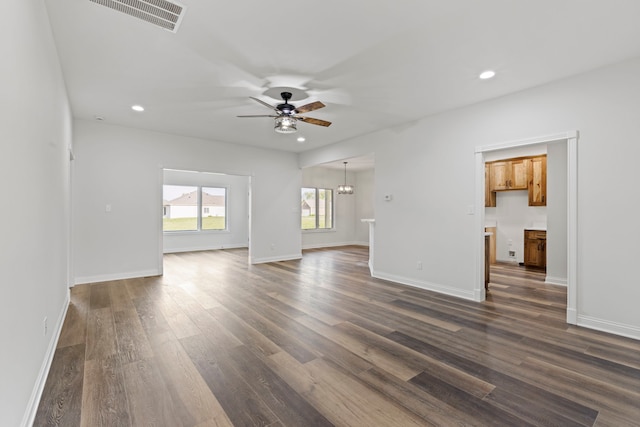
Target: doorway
571, 139
202, 211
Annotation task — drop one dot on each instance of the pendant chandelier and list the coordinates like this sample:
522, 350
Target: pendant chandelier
345, 188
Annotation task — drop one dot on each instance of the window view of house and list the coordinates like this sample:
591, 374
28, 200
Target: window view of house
214, 208
180, 208
191, 208
316, 208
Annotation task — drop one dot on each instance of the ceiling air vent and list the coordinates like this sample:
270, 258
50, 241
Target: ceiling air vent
162, 13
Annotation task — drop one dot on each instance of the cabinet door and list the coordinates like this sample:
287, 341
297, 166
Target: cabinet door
531, 249
535, 248
489, 195
492, 244
538, 181
518, 179
542, 254
500, 174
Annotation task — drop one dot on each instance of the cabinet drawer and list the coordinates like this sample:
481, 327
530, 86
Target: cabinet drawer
535, 234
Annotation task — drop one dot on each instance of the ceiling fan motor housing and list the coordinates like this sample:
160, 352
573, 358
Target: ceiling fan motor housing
286, 108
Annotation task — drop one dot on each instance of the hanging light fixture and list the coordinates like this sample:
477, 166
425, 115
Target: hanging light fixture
285, 124
345, 189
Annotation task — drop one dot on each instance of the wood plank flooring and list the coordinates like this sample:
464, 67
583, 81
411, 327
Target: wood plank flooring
318, 342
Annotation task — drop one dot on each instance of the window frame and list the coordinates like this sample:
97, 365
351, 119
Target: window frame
199, 210
317, 215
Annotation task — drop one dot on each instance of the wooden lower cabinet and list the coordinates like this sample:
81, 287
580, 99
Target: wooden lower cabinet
492, 243
535, 248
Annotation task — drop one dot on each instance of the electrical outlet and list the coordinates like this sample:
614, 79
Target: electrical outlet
273, 246
45, 326
419, 265
512, 254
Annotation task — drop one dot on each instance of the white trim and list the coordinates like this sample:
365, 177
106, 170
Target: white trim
206, 248
621, 329
429, 286
572, 231
333, 245
159, 222
275, 259
479, 292
36, 393
560, 136
116, 276
572, 213
560, 281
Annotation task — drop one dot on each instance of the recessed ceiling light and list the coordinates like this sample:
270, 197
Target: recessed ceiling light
485, 75
138, 108
301, 139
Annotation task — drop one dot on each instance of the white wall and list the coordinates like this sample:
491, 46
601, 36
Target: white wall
237, 233
429, 168
35, 130
557, 213
348, 208
365, 193
122, 167
512, 214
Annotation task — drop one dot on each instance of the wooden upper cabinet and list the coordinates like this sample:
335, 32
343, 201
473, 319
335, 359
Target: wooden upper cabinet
509, 174
499, 173
538, 181
522, 173
489, 196
519, 169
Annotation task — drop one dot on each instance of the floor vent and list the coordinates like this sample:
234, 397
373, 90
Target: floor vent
162, 13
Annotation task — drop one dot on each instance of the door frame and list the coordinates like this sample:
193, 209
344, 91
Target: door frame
571, 137
160, 232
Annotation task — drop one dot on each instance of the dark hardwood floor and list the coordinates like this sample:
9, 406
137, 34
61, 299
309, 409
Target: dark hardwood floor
318, 342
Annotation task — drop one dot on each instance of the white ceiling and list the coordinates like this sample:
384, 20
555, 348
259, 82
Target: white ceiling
354, 164
374, 63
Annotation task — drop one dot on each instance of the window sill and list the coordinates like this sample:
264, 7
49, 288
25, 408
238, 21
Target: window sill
194, 232
319, 230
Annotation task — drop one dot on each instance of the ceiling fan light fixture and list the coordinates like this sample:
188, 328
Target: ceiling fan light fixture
285, 124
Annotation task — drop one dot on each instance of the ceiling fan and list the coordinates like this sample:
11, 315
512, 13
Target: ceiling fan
287, 115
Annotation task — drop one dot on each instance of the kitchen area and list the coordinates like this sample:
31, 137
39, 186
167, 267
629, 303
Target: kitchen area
516, 208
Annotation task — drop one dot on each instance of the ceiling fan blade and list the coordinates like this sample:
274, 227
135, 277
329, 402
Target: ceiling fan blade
313, 121
310, 107
259, 115
264, 103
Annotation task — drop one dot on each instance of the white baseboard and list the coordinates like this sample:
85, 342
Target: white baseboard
36, 393
334, 245
621, 329
560, 281
205, 248
469, 295
275, 258
116, 276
